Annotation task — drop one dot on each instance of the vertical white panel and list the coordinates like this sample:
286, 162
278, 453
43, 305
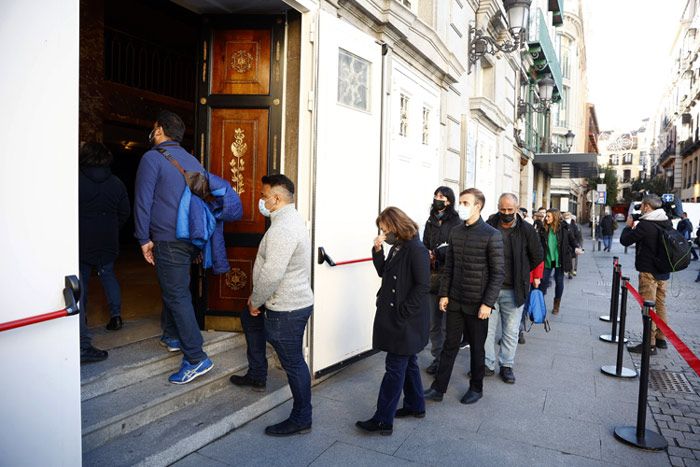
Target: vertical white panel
40, 403
347, 193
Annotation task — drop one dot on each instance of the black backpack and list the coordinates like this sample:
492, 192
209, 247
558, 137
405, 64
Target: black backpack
674, 250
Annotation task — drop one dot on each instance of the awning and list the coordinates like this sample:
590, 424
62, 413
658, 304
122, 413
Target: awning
558, 165
545, 57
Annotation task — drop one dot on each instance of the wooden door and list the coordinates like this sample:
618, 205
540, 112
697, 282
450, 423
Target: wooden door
239, 126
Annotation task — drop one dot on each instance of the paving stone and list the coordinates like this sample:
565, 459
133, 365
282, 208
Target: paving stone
344, 454
690, 444
668, 433
677, 461
679, 426
680, 452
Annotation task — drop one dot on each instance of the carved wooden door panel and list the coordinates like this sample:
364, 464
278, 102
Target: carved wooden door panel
239, 125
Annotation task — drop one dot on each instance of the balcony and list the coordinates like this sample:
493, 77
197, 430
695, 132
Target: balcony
542, 51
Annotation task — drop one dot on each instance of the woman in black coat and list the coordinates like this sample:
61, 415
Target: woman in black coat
402, 320
558, 244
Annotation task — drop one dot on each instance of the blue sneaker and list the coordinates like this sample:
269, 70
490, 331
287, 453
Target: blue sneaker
189, 371
171, 343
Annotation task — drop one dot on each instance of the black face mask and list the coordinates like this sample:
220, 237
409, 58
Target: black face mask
438, 204
391, 238
507, 218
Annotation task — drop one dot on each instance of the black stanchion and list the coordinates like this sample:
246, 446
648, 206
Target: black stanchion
615, 289
614, 318
618, 370
639, 436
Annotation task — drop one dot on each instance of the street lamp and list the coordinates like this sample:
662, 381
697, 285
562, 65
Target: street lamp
480, 44
569, 140
545, 91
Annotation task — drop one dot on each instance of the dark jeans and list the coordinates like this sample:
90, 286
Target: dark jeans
254, 330
111, 289
285, 331
558, 282
475, 329
402, 373
173, 264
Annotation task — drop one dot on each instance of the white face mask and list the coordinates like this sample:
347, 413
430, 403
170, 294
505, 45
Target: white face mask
464, 212
263, 210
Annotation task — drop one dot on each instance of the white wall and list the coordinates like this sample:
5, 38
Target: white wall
40, 403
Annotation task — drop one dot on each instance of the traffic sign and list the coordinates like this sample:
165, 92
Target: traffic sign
602, 197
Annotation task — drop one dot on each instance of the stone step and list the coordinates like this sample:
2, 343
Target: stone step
136, 362
132, 406
168, 439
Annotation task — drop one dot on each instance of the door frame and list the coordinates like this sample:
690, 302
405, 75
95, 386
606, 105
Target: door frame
205, 102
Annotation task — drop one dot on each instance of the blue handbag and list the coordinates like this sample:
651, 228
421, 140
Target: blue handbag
536, 309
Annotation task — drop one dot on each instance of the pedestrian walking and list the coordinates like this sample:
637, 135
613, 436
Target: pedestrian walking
575, 231
442, 219
558, 245
686, 228
402, 320
648, 254
469, 289
522, 253
103, 209
607, 229
159, 189
281, 302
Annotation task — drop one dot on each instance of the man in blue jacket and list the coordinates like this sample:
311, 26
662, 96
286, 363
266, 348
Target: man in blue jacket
159, 188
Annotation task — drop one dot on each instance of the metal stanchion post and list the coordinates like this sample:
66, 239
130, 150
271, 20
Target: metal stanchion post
618, 370
639, 436
613, 337
615, 289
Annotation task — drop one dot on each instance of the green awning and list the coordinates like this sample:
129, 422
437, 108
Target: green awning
546, 61
557, 9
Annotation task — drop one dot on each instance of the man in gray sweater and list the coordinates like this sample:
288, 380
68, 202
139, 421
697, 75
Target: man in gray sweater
281, 302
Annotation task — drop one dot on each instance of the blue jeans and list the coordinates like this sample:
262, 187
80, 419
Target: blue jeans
558, 281
254, 330
509, 315
285, 331
607, 241
111, 289
173, 263
402, 374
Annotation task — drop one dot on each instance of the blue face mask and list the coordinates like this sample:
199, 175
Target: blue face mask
263, 210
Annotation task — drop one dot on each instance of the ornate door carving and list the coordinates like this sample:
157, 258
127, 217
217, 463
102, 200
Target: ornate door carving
239, 121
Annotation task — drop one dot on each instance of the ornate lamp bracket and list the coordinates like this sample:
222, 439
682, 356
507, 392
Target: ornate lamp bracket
481, 44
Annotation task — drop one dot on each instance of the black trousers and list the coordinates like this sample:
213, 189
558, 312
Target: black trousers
475, 329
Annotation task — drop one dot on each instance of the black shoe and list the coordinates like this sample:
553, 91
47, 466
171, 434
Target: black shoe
507, 375
433, 395
403, 412
487, 372
638, 349
374, 426
245, 380
287, 428
471, 396
661, 344
115, 323
432, 368
92, 354
521, 338
464, 344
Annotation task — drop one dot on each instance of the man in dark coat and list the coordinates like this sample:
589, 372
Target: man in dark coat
686, 228
522, 253
471, 281
103, 210
645, 235
443, 218
607, 229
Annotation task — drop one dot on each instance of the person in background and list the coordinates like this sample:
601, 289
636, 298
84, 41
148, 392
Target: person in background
575, 231
402, 320
442, 219
685, 227
103, 208
469, 288
522, 253
557, 243
538, 221
525, 216
607, 229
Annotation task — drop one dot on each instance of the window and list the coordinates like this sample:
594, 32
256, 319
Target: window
353, 80
426, 125
563, 108
614, 159
403, 115
626, 175
627, 158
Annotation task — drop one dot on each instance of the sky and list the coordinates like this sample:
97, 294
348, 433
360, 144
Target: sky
628, 45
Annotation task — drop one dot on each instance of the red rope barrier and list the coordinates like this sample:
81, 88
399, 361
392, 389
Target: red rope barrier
635, 294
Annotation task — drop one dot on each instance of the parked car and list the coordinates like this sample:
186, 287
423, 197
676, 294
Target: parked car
619, 217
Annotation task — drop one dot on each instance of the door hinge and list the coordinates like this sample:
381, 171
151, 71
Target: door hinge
310, 101
312, 32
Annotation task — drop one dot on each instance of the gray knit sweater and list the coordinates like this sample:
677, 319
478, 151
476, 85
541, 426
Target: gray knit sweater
282, 270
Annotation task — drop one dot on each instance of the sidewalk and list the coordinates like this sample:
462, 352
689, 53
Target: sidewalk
561, 411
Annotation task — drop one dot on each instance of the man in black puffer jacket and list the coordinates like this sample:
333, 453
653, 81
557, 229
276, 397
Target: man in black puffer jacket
471, 281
